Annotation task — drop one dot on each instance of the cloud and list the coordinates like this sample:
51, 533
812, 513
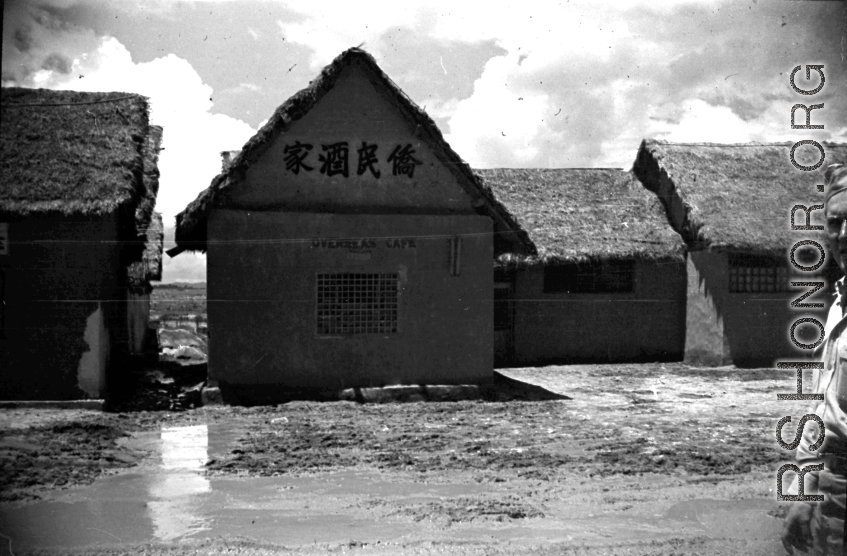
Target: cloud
243, 88
59, 57
56, 62
518, 132
619, 75
581, 83
328, 30
536, 84
187, 267
180, 102
35, 39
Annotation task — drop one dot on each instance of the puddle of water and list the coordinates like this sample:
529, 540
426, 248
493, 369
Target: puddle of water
172, 498
729, 519
363, 483
173, 492
154, 503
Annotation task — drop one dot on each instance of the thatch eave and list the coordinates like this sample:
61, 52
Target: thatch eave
511, 260
23, 209
70, 153
583, 214
733, 197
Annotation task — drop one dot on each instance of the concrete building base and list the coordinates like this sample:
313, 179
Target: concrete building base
391, 394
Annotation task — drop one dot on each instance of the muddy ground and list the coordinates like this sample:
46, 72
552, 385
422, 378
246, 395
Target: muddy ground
641, 459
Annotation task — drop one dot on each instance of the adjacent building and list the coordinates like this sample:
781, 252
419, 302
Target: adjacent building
732, 205
348, 246
607, 281
79, 240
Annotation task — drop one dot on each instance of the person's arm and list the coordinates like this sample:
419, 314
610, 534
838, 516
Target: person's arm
797, 532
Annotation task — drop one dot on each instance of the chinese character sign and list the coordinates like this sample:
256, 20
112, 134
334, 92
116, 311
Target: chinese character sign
294, 156
367, 160
403, 163
333, 159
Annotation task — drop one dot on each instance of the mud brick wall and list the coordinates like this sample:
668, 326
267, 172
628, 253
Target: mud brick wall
646, 324
64, 307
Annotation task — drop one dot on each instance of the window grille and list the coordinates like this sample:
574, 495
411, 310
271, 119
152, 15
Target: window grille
757, 274
357, 303
596, 277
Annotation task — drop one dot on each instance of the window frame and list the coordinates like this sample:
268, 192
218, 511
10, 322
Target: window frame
344, 297
590, 278
756, 274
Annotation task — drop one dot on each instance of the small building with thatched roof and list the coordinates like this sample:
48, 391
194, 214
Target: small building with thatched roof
732, 205
348, 246
79, 240
607, 281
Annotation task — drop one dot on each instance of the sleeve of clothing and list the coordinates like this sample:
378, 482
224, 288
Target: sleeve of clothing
803, 456
832, 409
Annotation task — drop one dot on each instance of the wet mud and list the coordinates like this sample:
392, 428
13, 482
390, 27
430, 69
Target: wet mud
642, 459
41, 458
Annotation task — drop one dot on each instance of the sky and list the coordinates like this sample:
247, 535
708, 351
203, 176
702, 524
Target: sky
511, 84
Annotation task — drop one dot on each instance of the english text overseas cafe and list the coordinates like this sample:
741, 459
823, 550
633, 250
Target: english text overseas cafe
348, 246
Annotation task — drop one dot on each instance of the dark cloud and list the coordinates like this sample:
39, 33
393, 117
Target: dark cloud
22, 38
37, 36
57, 62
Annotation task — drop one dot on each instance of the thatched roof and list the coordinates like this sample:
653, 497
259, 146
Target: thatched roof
581, 214
72, 153
191, 222
148, 266
145, 252
226, 158
150, 179
734, 197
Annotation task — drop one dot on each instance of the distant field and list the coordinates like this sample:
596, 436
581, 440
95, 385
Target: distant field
178, 298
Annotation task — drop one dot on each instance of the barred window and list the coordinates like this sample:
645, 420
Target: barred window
595, 277
357, 303
757, 274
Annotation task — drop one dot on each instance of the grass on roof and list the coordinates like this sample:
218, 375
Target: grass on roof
65, 156
580, 214
737, 197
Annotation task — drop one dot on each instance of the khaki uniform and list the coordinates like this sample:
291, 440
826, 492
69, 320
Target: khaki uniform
828, 526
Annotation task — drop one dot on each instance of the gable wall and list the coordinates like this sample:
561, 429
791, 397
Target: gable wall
353, 111
263, 300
